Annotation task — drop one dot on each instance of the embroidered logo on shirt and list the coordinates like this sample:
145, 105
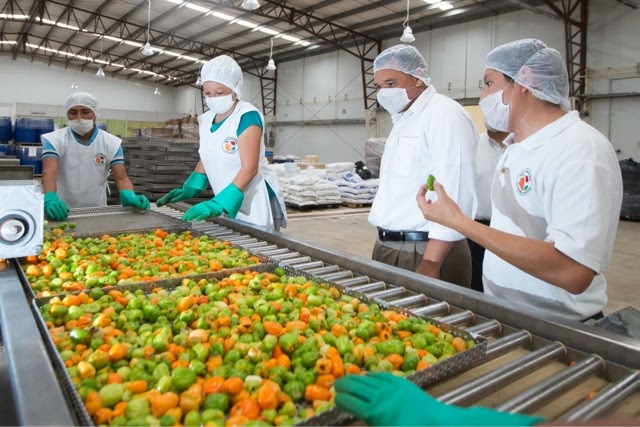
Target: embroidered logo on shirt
524, 182
230, 145
100, 159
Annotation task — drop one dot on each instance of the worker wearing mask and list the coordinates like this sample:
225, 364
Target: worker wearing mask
490, 148
232, 155
431, 135
76, 161
556, 193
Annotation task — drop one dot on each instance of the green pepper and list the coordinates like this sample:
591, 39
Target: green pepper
167, 421
410, 361
314, 301
344, 345
138, 408
164, 384
288, 342
444, 336
150, 312
183, 378
430, 180
269, 415
121, 421
279, 271
329, 339
187, 316
111, 394
223, 371
289, 410
211, 415
192, 419
217, 348
393, 346
306, 377
75, 312
232, 356
418, 341
160, 343
366, 330
99, 359
79, 336
199, 352
138, 422
295, 389
277, 374
219, 401
309, 358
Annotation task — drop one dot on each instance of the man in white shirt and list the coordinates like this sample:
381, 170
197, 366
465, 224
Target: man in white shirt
556, 193
431, 135
490, 149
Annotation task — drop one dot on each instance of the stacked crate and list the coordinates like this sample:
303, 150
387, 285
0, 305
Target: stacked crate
157, 166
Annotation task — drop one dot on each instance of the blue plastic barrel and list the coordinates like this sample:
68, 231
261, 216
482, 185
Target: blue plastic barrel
6, 149
102, 126
5, 129
30, 155
29, 129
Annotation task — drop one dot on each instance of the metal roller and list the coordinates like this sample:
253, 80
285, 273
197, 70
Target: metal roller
606, 400
370, 287
432, 310
282, 257
307, 265
550, 388
265, 248
275, 252
323, 270
486, 329
256, 245
388, 293
506, 374
347, 283
507, 344
337, 276
410, 301
460, 318
297, 261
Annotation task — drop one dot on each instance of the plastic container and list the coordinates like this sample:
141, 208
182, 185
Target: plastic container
30, 155
6, 149
5, 129
29, 130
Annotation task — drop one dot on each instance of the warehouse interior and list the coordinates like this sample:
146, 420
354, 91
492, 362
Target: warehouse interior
308, 69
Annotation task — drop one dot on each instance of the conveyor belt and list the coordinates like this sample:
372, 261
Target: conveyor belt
546, 367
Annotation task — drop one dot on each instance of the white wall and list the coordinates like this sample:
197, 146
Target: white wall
613, 55
35, 87
314, 88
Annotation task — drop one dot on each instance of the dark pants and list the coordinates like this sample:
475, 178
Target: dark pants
477, 258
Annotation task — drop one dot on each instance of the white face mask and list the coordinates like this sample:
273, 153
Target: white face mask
496, 112
81, 126
393, 99
220, 104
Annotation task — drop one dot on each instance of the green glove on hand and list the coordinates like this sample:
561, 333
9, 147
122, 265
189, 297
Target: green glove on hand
383, 399
230, 199
55, 208
192, 187
202, 211
130, 198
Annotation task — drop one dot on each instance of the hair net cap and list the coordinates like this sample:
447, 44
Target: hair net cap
535, 66
225, 70
404, 58
82, 98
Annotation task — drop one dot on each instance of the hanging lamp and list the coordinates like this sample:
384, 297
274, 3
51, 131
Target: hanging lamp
407, 33
271, 65
146, 48
250, 4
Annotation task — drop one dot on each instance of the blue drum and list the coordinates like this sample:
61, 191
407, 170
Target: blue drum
30, 155
5, 129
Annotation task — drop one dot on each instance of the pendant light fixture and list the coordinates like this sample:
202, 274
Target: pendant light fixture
157, 91
199, 79
146, 49
271, 65
250, 4
407, 33
100, 72
74, 85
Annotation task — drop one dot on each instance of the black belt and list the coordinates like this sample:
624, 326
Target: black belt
402, 236
484, 221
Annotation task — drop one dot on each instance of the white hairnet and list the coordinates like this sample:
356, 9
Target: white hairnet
535, 66
404, 58
82, 98
223, 69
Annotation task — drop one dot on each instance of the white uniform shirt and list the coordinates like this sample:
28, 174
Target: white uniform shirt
487, 157
83, 168
434, 136
562, 185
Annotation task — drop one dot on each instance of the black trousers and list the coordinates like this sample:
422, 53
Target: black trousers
477, 258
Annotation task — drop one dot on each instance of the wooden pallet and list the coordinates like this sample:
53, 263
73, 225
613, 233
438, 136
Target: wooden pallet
312, 207
357, 205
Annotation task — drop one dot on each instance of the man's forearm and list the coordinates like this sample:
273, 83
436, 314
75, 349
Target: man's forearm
434, 256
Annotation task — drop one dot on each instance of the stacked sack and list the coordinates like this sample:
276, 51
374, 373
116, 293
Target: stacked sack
355, 190
308, 189
336, 171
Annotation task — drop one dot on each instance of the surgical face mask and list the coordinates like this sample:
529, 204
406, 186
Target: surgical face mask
220, 104
81, 126
496, 112
393, 99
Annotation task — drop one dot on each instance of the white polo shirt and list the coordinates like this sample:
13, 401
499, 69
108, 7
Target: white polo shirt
434, 136
562, 185
487, 157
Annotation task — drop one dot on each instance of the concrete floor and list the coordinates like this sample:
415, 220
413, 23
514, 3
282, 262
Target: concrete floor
348, 230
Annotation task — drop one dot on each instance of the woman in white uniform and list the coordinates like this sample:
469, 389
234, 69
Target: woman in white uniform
556, 193
232, 157
76, 161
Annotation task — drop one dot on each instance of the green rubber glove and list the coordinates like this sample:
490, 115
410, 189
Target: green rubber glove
202, 211
383, 399
192, 187
56, 209
130, 198
230, 199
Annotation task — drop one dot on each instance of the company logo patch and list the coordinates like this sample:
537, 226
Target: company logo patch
100, 159
524, 182
230, 145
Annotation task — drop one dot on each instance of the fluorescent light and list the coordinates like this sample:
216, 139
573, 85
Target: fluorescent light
10, 16
445, 5
113, 39
7, 42
246, 23
47, 21
433, 1
70, 27
315, 46
148, 72
175, 1
268, 31
190, 58
198, 8
67, 53
223, 16
130, 43
290, 38
305, 44
86, 58
168, 52
100, 61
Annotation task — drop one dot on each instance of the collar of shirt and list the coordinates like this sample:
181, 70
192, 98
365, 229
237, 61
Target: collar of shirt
495, 144
92, 138
419, 104
546, 134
